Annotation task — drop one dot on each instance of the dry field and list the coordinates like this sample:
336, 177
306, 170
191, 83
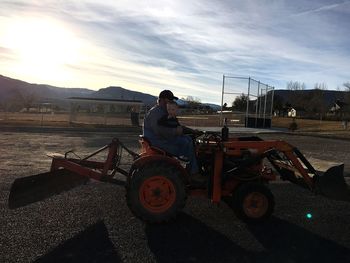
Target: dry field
62, 119
309, 125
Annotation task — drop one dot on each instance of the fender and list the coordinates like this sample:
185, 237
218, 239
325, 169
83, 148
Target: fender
147, 159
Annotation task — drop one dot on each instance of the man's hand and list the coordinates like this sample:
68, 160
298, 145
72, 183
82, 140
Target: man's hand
179, 130
198, 132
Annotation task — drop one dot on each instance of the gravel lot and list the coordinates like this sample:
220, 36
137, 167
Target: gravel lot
91, 223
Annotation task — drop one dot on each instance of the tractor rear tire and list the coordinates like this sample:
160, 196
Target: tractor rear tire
156, 192
253, 202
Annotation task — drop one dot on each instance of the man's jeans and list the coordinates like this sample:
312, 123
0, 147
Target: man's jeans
179, 146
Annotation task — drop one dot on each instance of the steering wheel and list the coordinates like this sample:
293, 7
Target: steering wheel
212, 136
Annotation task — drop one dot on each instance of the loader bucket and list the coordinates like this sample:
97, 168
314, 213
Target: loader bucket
31, 189
331, 183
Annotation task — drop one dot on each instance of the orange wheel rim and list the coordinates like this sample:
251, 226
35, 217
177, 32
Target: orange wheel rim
157, 194
255, 205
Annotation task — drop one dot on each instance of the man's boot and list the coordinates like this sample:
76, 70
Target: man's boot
198, 181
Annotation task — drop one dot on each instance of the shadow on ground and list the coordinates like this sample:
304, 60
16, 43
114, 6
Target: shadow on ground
190, 240
31, 189
91, 245
286, 242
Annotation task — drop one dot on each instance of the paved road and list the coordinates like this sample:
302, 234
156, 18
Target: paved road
92, 223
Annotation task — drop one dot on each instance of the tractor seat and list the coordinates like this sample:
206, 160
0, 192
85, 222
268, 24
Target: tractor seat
147, 147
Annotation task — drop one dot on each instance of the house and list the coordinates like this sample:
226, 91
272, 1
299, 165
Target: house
340, 109
292, 112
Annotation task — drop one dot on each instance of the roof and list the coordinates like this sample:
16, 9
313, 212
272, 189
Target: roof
107, 101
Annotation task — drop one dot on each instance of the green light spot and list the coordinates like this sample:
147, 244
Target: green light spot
308, 216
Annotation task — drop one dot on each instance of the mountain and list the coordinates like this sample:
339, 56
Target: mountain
215, 107
12, 87
13, 91
16, 94
329, 96
123, 94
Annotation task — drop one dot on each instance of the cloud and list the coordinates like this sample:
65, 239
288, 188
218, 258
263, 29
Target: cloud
188, 45
322, 8
6, 54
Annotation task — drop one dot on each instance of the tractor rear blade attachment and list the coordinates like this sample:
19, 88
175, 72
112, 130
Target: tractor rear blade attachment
331, 183
31, 189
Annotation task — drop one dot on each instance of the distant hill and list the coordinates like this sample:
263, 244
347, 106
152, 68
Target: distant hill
18, 93
12, 91
329, 96
123, 94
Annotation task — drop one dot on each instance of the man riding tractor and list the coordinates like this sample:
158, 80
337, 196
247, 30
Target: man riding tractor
171, 139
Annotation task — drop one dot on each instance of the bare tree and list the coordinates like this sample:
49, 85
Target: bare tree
192, 102
295, 85
317, 101
29, 100
347, 86
347, 89
321, 86
191, 99
278, 104
296, 98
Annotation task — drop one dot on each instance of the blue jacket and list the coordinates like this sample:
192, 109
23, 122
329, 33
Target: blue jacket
151, 128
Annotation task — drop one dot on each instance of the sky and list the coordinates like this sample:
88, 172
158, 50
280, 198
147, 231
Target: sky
185, 46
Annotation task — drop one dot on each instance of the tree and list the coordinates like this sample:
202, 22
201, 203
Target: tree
347, 86
100, 108
347, 89
317, 103
321, 86
278, 104
295, 85
192, 102
240, 103
296, 96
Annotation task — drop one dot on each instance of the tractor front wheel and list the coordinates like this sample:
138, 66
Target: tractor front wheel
156, 193
253, 202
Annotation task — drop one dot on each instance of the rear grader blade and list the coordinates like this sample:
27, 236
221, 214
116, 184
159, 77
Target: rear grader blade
31, 189
67, 173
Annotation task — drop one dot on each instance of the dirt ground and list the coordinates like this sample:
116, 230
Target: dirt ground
92, 223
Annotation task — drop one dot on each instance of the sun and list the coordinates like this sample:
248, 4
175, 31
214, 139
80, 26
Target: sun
41, 47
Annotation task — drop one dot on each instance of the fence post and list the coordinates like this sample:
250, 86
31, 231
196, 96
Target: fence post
222, 97
265, 105
247, 111
257, 106
273, 93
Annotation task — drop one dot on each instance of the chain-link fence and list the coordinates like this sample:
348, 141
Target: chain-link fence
105, 111
246, 102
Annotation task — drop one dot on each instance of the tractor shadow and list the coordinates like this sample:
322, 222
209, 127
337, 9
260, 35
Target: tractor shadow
91, 245
286, 242
189, 240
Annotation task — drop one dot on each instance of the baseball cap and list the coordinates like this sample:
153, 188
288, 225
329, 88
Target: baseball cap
167, 94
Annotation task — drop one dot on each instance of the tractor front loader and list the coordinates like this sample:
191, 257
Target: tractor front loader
158, 183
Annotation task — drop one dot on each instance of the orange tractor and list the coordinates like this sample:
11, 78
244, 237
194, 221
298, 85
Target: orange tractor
157, 183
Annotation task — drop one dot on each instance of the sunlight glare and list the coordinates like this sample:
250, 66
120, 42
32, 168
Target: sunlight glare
41, 46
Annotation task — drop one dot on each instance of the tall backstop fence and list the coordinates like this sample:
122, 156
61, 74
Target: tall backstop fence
250, 102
